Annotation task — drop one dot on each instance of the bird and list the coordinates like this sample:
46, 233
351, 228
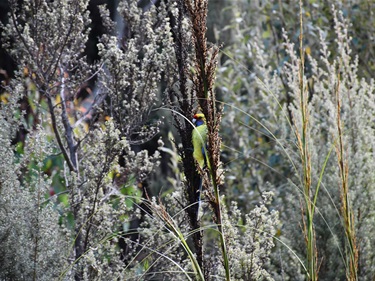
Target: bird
199, 139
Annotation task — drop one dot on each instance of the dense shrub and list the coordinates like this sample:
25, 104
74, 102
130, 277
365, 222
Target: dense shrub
287, 192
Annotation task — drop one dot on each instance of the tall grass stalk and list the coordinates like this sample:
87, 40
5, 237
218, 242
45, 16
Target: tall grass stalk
205, 61
303, 140
175, 230
346, 209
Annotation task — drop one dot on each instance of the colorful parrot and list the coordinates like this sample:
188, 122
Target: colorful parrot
199, 140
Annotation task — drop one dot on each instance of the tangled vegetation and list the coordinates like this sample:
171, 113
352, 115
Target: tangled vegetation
97, 175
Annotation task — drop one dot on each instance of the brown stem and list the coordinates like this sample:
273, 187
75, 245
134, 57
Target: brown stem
57, 134
68, 128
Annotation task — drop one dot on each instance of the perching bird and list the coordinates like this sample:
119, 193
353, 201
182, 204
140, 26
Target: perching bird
199, 139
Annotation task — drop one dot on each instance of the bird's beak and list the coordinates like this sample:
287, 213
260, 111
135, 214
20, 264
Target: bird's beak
194, 120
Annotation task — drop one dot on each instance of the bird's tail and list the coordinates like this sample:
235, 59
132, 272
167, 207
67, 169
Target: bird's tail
199, 193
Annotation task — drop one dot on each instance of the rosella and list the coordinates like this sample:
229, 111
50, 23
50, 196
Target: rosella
199, 139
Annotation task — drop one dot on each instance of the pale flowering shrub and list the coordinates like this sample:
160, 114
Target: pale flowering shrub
33, 244
262, 80
74, 197
135, 64
68, 190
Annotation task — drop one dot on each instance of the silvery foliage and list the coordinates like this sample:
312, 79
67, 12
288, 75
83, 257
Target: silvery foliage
48, 39
250, 239
32, 242
265, 93
135, 64
335, 78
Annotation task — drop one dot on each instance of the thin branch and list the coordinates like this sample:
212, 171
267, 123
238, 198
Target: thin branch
65, 120
57, 134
